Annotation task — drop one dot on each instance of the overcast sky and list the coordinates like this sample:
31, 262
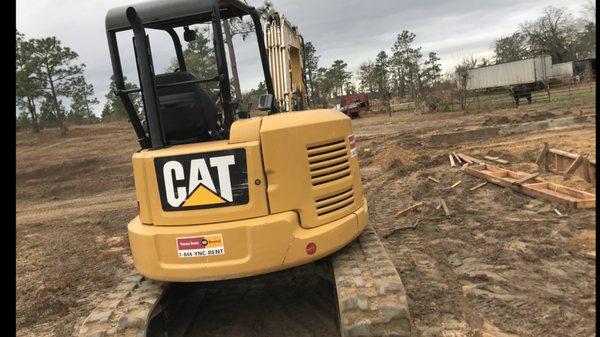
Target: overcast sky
352, 30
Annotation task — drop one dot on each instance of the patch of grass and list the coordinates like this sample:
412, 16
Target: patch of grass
559, 98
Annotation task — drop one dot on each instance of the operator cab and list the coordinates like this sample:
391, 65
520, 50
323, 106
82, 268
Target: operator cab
177, 110
187, 112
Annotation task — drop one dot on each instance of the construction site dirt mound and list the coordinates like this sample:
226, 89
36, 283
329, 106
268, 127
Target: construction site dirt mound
531, 116
536, 116
496, 120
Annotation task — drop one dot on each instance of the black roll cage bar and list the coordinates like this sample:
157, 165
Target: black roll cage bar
155, 137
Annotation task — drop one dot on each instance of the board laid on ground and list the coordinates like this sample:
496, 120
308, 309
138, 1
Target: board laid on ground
533, 186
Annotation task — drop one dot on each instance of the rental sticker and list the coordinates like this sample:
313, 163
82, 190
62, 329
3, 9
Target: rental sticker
197, 246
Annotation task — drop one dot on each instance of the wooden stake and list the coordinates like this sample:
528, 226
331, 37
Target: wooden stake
477, 186
586, 170
433, 179
456, 184
445, 207
457, 157
469, 159
464, 166
496, 159
574, 166
527, 177
466, 160
451, 160
541, 160
408, 209
563, 153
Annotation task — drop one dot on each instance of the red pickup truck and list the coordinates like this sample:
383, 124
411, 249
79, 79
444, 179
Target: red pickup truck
353, 105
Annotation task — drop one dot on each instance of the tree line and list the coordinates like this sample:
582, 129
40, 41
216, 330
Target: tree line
52, 90
46, 82
557, 32
48, 75
402, 72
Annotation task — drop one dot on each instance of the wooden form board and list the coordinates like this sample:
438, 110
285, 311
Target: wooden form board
559, 161
537, 188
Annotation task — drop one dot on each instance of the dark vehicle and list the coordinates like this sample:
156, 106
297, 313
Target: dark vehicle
353, 105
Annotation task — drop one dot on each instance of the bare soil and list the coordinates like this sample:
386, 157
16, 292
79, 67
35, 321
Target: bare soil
75, 196
502, 264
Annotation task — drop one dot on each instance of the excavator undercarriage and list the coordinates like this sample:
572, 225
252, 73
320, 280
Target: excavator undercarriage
371, 300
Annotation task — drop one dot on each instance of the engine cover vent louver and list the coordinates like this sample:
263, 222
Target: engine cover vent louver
328, 163
330, 171
334, 203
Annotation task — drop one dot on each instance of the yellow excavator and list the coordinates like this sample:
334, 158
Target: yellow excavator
226, 198
285, 47
222, 197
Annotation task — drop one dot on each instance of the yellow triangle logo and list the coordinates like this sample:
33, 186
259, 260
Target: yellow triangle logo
203, 196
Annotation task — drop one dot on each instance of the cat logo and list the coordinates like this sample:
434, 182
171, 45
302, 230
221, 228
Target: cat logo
202, 180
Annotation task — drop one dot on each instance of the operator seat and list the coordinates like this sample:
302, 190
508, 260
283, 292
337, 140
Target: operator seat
186, 111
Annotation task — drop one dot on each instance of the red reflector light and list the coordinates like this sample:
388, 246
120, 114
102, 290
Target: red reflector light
311, 248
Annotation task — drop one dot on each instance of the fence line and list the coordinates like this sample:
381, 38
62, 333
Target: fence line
559, 89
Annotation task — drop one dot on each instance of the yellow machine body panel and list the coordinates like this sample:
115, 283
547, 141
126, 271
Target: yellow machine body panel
319, 179
251, 246
147, 187
284, 190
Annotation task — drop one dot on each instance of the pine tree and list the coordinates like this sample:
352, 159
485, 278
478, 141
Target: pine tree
339, 76
382, 65
236, 26
200, 60
57, 69
113, 107
405, 63
311, 62
82, 101
432, 70
366, 76
29, 88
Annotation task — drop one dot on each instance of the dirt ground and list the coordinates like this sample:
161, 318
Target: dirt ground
502, 264
75, 196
